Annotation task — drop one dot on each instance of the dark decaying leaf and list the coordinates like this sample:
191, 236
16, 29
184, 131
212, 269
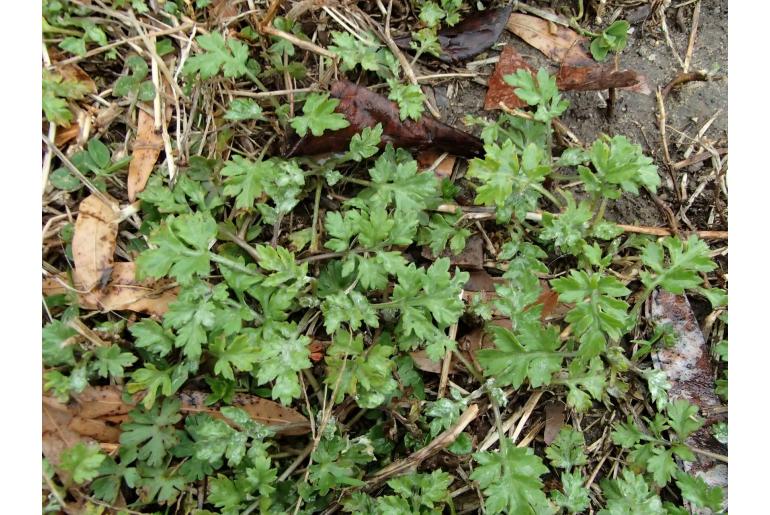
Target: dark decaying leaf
470, 37
690, 372
471, 257
364, 108
587, 77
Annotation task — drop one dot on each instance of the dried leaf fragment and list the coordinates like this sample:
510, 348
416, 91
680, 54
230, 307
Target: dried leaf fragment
474, 34
97, 412
123, 292
586, 77
561, 45
364, 108
93, 243
146, 149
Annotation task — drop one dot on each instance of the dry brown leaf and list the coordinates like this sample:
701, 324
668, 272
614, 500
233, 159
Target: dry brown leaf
221, 10
480, 280
106, 403
426, 158
587, 77
66, 134
554, 420
424, 363
122, 292
95, 415
364, 108
474, 34
71, 71
283, 420
93, 243
57, 435
561, 45
146, 149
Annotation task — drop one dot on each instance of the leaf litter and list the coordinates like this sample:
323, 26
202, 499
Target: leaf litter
363, 108
363, 303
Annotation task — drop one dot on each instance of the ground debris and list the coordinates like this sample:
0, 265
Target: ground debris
364, 108
474, 34
690, 371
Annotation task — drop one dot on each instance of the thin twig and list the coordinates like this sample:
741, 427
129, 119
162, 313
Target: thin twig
442, 441
693, 32
77, 173
408, 71
306, 45
477, 213
96, 51
664, 142
268, 94
446, 365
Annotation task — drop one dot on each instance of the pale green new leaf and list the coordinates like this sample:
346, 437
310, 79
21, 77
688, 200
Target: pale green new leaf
318, 115
244, 109
230, 57
82, 462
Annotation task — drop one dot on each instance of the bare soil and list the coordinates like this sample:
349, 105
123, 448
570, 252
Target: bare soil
688, 107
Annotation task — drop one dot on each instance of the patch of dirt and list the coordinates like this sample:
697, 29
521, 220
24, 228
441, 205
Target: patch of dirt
688, 107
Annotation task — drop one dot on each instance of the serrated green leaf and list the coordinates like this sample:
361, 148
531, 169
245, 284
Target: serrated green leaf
683, 418
229, 57
110, 361
152, 431
82, 462
510, 480
409, 98
698, 492
318, 115
530, 354
244, 109
567, 450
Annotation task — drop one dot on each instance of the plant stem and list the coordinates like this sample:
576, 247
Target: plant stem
547, 194
232, 264
469, 366
600, 213
316, 205
361, 182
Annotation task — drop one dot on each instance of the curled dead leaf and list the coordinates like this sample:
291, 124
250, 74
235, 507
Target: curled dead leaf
560, 44
145, 152
443, 170
93, 243
95, 415
474, 34
363, 108
587, 77
122, 292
